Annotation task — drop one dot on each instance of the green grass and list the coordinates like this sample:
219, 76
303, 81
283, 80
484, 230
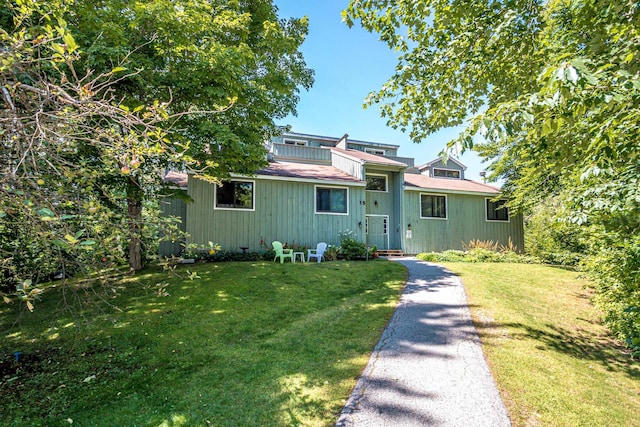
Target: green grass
554, 362
244, 344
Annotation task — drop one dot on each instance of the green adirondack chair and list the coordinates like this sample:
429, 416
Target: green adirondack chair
282, 253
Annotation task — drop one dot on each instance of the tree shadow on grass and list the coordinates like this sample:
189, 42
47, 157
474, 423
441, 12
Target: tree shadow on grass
580, 344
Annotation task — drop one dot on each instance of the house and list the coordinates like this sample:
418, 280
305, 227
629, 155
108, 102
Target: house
316, 186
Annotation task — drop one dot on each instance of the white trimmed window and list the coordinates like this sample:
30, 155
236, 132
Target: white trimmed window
332, 200
296, 142
235, 195
433, 206
497, 211
377, 182
446, 173
375, 151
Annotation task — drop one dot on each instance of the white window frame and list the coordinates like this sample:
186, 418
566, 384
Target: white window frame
386, 182
253, 197
332, 187
487, 200
295, 142
375, 151
446, 206
433, 173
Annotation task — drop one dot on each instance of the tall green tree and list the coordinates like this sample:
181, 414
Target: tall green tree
550, 91
236, 58
101, 97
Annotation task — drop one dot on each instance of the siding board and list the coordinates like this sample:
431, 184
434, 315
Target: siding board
466, 221
284, 211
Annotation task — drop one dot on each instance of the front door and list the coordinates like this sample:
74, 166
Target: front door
378, 231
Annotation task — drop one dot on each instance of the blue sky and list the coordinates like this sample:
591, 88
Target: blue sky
348, 64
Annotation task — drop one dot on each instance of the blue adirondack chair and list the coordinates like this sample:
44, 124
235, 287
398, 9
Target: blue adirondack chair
281, 252
317, 253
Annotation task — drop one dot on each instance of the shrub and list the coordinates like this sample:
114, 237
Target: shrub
350, 246
550, 237
476, 255
616, 271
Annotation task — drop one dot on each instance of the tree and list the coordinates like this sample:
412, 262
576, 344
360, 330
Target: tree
95, 111
104, 96
551, 89
204, 55
64, 137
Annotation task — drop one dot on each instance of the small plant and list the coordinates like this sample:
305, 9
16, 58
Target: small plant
331, 254
209, 252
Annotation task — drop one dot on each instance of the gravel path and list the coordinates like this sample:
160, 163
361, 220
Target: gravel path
428, 368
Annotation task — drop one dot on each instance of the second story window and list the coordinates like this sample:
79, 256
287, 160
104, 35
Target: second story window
446, 173
376, 182
375, 151
296, 142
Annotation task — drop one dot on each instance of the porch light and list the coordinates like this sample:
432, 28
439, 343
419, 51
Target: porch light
409, 227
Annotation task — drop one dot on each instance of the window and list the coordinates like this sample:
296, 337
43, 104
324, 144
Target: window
446, 173
235, 195
295, 142
374, 151
377, 183
433, 206
331, 200
497, 211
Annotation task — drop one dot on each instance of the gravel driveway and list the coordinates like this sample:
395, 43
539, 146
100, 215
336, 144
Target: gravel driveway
428, 368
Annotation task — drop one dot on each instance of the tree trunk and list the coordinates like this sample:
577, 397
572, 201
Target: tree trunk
134, 210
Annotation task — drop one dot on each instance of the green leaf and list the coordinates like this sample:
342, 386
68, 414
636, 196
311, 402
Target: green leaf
45, 212
70, 42
118, 69
58, 48
61, 243
69, 238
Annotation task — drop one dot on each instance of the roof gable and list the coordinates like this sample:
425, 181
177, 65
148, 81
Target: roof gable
435, 162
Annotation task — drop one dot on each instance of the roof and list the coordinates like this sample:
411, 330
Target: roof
369, 158
178, 178
434, 161
282, 169
306, 171
412, 180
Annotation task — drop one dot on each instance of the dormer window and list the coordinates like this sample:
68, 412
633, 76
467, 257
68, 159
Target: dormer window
375, 151
446, 173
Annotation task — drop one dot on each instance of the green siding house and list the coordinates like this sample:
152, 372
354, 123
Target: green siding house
316, 186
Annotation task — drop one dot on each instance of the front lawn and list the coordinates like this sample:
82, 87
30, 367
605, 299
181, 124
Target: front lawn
241, 344
554, 362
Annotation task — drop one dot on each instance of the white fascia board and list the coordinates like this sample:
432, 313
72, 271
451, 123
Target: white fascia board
305, 180
441, 191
